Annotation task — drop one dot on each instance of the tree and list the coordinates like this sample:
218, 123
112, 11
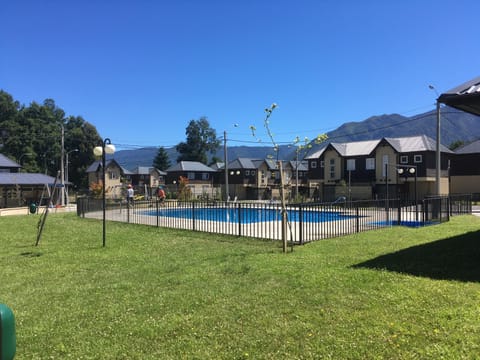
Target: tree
36, 130
201, 139
162, 160
456, 144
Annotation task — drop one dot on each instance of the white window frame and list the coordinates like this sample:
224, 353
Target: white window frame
370, 164
191, 176
332, 168
205, 176
404, 159
252, 172
384, 162
417, 159
313, 164
350, 164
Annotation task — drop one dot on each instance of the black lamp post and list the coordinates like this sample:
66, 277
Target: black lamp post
105, 148
410, 170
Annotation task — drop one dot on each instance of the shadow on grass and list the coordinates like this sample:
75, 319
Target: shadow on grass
456, 258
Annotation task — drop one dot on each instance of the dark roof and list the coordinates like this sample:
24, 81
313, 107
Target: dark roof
401, 145
25, 179
5, 162
141, 170
190, 166
465, 97
302, 165
472, 148
97, 165
242, 163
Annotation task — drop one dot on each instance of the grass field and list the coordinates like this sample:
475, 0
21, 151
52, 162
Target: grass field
152, 293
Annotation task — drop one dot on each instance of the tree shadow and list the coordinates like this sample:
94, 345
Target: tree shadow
456, 258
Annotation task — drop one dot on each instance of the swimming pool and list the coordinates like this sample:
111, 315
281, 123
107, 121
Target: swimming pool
248, 215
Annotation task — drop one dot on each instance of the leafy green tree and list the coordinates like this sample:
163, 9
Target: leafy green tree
33, 135
201, 139
456, 144
162, 160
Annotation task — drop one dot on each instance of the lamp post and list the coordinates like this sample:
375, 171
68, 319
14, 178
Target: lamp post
105, 148
66, 170
410, 170
225, 159
437, 144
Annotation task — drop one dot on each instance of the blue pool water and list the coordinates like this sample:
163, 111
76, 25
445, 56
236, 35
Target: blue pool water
248, 215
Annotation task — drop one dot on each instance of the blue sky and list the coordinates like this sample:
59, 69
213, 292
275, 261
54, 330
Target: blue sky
141, 70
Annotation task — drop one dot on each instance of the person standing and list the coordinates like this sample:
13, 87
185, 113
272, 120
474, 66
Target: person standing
130, 194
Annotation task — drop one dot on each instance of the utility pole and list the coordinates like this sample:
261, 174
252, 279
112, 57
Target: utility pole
62, 168
225, 159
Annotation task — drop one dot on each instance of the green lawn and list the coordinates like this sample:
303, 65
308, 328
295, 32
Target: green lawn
153, 293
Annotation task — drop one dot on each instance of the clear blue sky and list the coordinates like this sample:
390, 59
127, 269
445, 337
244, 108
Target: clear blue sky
141, 70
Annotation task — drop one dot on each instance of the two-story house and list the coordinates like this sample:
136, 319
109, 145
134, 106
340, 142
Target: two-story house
200, 178
114, 173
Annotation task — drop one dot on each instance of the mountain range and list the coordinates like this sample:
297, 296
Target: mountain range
455, 126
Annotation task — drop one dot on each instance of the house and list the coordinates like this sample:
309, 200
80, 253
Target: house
465, 170
400, 167
20, 189
259, 179
200, 178
114, 174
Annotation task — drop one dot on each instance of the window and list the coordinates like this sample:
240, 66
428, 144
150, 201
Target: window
384, 165
112, 175
350, 164
205, 176
191, 176
404, 159
313, 164
370, 164
247, 172
252, 172
417, 158
322, 164
332, 168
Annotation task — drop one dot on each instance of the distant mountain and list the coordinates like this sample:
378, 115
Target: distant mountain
455, 125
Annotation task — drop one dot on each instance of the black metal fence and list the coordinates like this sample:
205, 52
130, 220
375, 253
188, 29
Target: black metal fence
305, 222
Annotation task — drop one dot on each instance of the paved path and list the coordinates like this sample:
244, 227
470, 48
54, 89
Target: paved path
476, 210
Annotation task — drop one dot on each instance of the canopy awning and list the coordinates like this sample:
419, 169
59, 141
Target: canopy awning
465, 97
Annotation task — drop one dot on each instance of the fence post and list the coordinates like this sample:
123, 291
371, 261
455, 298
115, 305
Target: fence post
399, 213
300, 224
239, 215
357, 220
193, 216
158, 213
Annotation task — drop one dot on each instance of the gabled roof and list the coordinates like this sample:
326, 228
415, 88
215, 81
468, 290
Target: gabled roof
317, 153
471, 148
415, 143
5, 162
217, 166
242, 163
365, 148
302, 165
190, 166
141, 170
356, 148
97, 165
159, 172
25, 179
